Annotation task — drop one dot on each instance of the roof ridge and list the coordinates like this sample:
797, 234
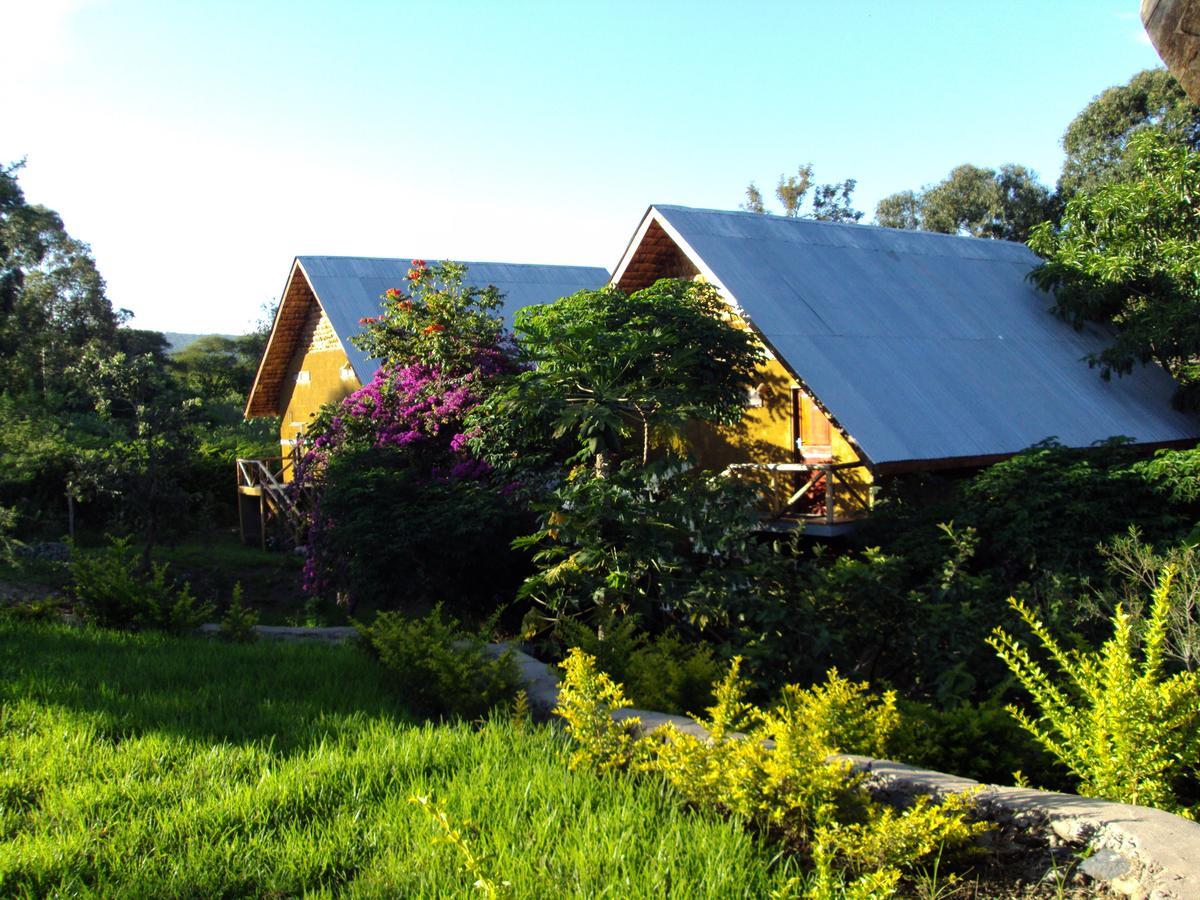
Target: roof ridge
806, 222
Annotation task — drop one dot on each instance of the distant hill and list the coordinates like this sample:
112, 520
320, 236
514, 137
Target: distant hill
179, 341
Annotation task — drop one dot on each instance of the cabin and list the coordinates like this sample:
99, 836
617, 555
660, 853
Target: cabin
889, 352
310, 359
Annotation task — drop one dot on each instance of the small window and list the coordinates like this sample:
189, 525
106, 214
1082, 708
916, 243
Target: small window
303, 377
347, 372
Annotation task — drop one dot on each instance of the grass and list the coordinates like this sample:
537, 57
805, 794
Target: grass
138, 765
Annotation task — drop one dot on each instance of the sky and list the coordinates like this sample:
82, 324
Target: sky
199, 146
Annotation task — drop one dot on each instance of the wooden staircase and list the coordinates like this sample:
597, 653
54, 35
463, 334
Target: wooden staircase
270, 510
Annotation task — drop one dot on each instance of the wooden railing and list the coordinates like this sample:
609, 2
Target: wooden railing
814, 492
281, 503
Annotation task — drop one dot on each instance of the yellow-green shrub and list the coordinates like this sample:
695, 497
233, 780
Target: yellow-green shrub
1124, 727
778, 774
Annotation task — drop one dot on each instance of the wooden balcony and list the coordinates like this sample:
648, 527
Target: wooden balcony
826, 498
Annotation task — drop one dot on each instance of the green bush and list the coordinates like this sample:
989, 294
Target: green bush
1125, 728
663, 672
778, 776
237, 625
975, 740
46, 609
439, 668
656, 541
112, 590
390, 534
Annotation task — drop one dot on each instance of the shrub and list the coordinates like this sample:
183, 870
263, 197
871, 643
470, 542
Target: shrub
113, 591
663, 672
777, 776
237, 625
8, 525
386, 533
439, 668
975, 740
45, 609
1124, 728
647, 540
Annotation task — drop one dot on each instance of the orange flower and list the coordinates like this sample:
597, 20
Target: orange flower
434, 328
393, 293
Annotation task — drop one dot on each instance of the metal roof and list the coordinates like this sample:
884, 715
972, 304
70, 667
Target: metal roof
350, 288
923, 346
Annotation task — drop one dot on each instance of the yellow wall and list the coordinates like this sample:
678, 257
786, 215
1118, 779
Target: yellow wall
765, 435
320, 375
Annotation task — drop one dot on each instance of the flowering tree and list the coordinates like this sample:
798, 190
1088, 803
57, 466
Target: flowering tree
443, 345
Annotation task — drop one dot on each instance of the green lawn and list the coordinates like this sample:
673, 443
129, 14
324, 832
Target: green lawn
148, 766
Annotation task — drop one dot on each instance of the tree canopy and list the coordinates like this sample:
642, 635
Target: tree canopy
830, 202
1096, 140
1128, 252
52, 298
1005, 203
608, 365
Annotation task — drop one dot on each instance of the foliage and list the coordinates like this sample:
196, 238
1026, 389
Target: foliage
402, 443
440, 321
44, 609
1124, 727
1134, 566
139, 765
1005, 204
844, 714
978, 740
388, 533
1097, 138
217, 366
587, 699
777, 776
1128, 253
830, 202
112, 590
8, 527
645, 540
151, 439
439, 668
663, 672
609, 365
237, 625
474, 863
52, 298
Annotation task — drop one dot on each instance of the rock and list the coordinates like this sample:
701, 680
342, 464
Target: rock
1129, 887
1071, 830
1105, 865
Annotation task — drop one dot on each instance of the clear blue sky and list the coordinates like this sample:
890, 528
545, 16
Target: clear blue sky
199, 146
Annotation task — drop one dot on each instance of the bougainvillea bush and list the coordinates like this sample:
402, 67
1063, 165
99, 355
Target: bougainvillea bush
399, 501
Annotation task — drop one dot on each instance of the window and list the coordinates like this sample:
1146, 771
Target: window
303, 377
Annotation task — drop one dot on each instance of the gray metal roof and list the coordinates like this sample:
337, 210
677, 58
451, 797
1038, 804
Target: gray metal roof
924, 346
351, 287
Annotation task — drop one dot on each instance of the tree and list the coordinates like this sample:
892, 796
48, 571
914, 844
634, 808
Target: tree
899, 210
395, 457
215, 367
609, 365
830, 202
979, 202
52, 298
151, 440
1128, 253
1096, 140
